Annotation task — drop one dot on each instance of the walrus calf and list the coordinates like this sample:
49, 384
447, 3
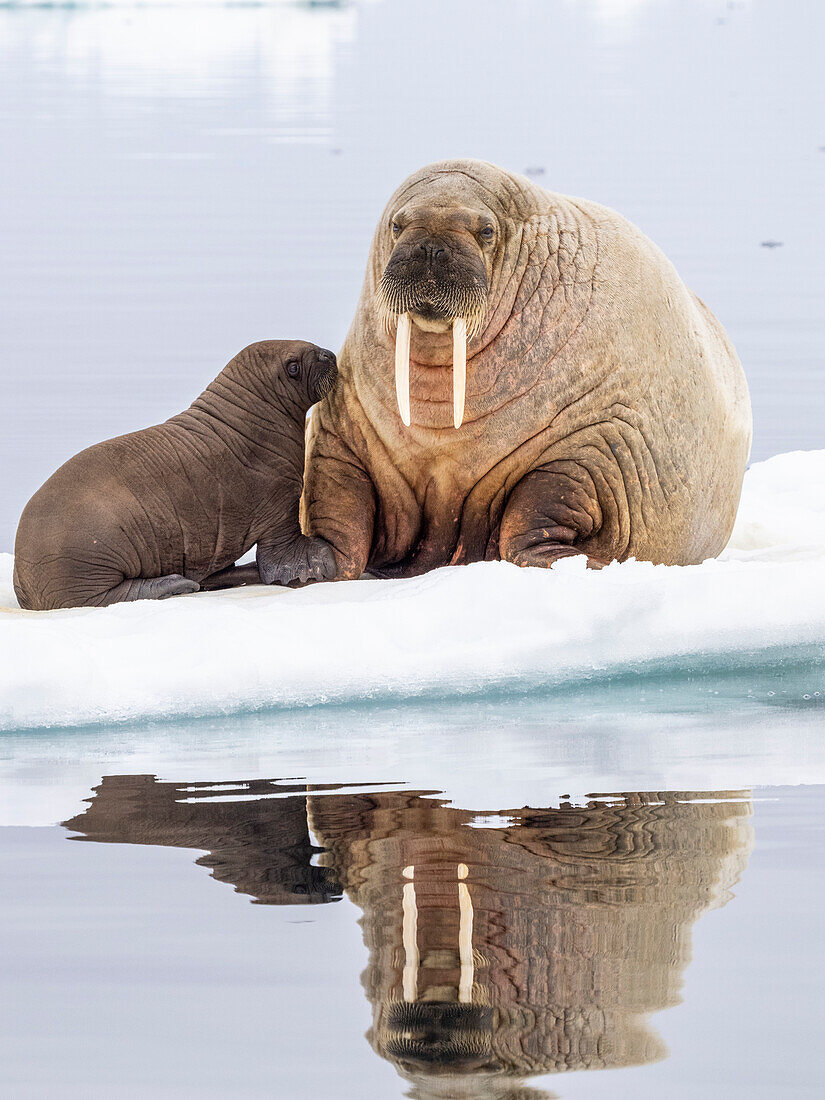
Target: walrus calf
526, 378
156, 512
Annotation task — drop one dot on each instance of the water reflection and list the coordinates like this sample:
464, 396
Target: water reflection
286, 51
502, 944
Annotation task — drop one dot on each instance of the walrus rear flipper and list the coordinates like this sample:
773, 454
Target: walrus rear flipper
136, 588
36, 590
147, 588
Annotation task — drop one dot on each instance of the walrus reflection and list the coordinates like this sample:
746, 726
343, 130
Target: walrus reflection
538, 945
501, 946
260, 845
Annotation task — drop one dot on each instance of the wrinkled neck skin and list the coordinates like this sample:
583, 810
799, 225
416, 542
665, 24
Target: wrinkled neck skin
543, 263
257, 418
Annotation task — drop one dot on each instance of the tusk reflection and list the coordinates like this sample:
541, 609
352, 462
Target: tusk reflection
409, 938
465, 939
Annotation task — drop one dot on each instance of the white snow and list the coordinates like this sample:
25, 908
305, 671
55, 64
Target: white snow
452, 632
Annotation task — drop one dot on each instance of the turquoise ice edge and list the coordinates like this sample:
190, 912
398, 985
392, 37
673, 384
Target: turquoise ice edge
784, 677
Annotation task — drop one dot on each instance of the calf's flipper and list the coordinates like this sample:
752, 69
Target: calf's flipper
145, 588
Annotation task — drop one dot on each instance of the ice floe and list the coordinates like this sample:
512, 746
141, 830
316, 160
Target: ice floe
480, 628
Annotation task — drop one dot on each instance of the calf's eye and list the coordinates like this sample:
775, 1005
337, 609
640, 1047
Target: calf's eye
293, 368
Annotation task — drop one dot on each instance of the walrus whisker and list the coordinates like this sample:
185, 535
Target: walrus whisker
325, 386
396, 297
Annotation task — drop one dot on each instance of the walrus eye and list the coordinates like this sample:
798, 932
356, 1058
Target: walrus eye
487, 232
396, 229
293, 368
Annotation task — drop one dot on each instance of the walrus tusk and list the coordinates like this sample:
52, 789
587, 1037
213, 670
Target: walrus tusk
402, 367
465, 939
459, 369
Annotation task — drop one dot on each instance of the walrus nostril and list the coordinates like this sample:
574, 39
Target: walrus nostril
430, 250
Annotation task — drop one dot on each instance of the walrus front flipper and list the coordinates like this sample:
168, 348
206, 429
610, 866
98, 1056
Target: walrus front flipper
302, 559
146, 588
554, 512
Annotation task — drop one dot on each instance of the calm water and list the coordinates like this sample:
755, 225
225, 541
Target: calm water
609, 892
178, 181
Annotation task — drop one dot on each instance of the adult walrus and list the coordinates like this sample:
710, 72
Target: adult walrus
606, 412
156, 512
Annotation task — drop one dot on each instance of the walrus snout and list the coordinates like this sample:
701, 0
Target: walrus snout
435, 278
438, 1034
324, 374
